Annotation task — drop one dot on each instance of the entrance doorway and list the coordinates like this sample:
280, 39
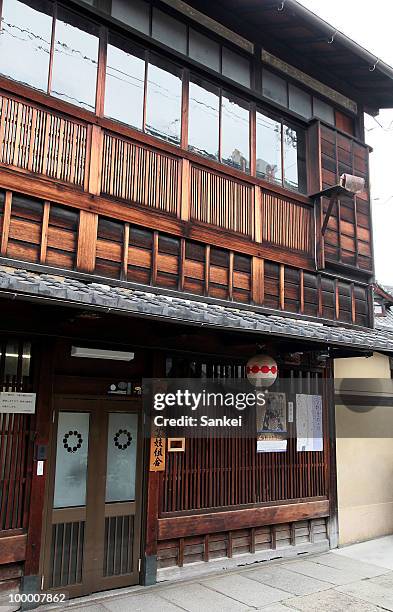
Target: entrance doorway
94, 502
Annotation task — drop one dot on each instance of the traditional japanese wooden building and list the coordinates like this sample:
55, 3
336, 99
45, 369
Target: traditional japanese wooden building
168, 188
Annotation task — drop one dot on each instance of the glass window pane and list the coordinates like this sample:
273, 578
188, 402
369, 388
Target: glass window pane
169, 31
300, 102
135, 14
274, 88
124, 91
235, 67
269, 165
75, 60
323, 111
294, 158
204, 50
204, 118
163, 105
235, 132
121, 457
71, 459
25, 38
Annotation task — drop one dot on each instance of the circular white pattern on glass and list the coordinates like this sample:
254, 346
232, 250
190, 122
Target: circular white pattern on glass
72, 441
122, 439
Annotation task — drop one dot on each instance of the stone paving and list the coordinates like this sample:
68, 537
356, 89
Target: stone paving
333, 582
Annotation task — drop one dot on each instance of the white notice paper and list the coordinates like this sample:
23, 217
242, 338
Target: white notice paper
271, 446
309, 425
15, 402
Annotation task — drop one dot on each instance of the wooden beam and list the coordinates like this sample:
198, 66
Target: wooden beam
201, 524
6, 222
87, 241
68, 196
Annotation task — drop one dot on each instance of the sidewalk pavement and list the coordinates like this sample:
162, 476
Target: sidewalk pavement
357, 578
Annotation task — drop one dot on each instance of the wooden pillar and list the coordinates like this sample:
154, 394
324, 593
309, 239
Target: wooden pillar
153, 496
331, 462
31, 581
87, 241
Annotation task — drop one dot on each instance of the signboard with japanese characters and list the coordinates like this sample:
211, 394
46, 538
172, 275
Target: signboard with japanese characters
157, 452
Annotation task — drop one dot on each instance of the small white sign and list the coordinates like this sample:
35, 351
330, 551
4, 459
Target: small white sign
15, 402
290, 412
40, 468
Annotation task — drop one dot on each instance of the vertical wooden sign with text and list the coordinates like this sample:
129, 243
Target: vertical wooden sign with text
157, 452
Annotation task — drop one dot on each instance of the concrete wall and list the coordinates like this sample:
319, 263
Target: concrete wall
364, 458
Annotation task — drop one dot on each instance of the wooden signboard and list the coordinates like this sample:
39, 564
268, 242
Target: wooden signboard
157, 453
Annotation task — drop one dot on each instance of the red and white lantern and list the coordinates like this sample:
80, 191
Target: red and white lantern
261, 371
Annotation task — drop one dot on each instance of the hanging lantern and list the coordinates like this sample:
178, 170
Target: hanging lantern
261, 370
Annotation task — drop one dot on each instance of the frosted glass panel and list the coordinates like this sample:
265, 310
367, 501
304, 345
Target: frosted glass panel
121, 457
169, 31
135, 13
235, 67
323, 111
274, 88
204, 50
71, 459
300, 101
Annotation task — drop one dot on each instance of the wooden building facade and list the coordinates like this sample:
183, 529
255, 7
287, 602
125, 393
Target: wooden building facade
164, 189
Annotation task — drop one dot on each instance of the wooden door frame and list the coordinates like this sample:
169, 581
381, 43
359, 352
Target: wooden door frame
83, 401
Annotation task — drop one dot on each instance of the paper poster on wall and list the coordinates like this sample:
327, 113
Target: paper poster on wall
271, 443
309, 426
272, 417
272, 424
18, 403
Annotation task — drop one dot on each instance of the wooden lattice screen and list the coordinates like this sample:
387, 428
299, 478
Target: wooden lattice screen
223, 473
14, 437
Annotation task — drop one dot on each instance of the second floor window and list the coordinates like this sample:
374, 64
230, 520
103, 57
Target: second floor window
281, 153
25, 42
218, 124
75, 59
125, 83
163, 100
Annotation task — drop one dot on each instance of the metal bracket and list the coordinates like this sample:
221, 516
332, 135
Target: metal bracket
332, 202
